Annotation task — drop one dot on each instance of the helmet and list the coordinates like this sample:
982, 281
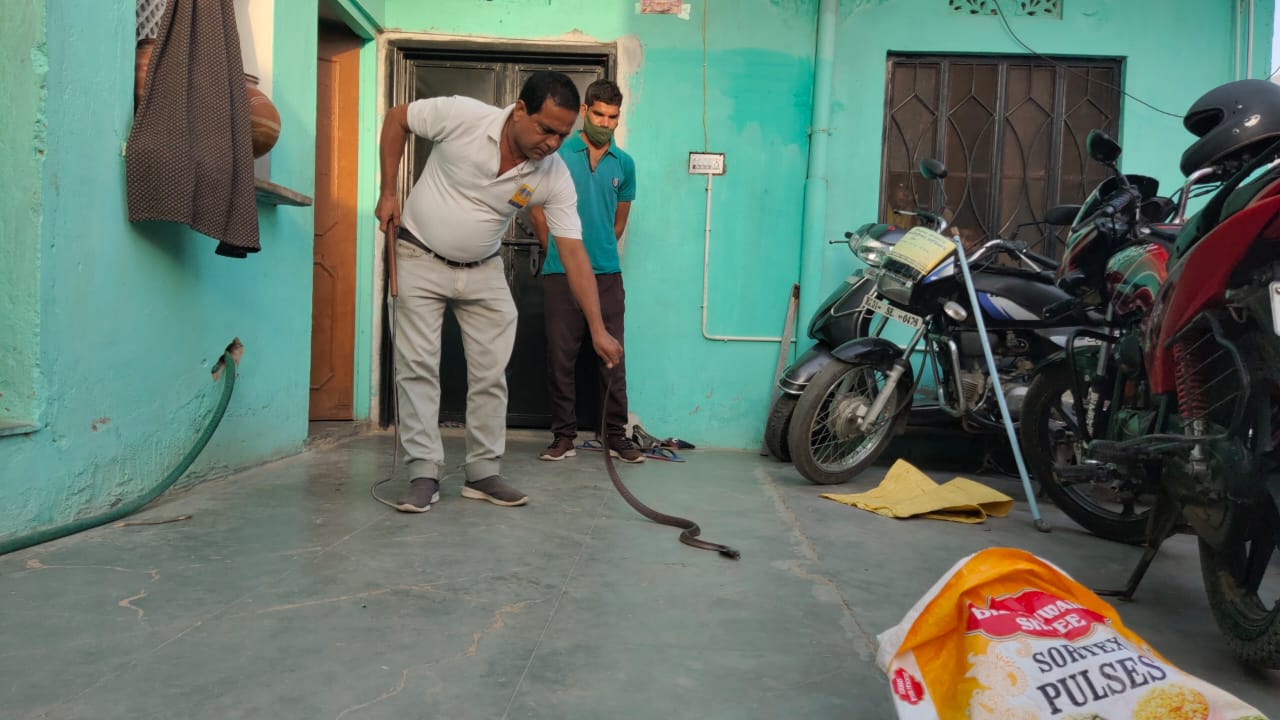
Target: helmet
1234, 122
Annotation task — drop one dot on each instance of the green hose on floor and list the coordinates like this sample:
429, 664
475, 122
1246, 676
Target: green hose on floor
44, 535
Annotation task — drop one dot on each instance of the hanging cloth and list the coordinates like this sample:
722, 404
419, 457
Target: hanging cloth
190, 154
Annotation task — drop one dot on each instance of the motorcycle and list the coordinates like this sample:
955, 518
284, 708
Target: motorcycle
838, 319
1114, 263
1178, 401
849, 411
841, 317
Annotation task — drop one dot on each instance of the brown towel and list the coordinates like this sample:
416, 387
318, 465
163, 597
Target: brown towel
190, 154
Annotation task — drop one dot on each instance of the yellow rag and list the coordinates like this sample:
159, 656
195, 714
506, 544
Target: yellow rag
906, 492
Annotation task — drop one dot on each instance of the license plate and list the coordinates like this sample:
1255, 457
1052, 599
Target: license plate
922, 250
875, 304
1275, 306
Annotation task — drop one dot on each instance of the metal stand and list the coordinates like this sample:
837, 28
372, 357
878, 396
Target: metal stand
784, 351
976, 309
1164, 517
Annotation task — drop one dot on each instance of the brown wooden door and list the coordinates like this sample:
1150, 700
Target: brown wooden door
333, 327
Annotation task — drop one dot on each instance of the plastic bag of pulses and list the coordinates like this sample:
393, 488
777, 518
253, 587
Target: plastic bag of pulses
1005, 635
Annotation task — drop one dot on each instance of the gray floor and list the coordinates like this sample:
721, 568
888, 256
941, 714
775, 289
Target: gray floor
290, 594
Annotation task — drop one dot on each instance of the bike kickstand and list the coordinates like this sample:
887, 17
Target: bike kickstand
1164, 516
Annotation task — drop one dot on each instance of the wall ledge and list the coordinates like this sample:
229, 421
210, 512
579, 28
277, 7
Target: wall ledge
11, 427
273, 194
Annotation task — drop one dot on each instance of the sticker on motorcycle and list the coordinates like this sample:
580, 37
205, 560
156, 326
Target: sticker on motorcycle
922, 249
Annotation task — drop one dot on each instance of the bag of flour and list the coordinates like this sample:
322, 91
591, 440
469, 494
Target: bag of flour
1007, 635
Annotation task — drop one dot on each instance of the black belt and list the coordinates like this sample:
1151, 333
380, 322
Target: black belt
409, 237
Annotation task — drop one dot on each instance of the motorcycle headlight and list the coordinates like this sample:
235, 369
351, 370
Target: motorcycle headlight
870, 250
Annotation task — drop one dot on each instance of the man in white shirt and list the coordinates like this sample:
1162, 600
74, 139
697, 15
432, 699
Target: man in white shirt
487, 164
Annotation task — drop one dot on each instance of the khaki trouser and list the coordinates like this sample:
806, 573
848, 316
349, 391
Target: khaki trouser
482, 303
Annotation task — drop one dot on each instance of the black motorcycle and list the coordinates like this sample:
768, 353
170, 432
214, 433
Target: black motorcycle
839, 319
850, 409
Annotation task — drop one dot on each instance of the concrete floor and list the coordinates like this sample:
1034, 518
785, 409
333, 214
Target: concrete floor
289, 593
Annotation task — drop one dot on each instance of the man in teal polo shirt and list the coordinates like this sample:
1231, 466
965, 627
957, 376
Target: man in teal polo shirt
605, 179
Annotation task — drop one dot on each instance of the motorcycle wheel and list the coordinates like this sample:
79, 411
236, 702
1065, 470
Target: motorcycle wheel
777, 426
1045, 432
822, 446
1234, 578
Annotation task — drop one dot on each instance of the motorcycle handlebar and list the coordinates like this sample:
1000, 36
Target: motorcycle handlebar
1119, 202
1042, 259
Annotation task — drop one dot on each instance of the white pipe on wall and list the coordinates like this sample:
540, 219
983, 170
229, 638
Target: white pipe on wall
1249, 56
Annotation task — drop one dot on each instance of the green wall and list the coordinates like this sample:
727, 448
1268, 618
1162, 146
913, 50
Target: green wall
759, 69
23, 65
133, 317
759, 74
115, 326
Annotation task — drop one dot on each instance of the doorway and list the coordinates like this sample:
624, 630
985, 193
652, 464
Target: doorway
333, 314
494, 74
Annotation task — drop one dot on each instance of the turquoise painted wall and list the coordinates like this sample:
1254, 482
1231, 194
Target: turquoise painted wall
134, 316
23, 64
759, 75
1173, 51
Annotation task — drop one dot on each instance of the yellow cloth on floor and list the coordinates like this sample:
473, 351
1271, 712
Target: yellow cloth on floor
906, 492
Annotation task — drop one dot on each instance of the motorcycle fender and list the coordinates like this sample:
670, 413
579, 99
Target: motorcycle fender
873, 350
798, 374
880, 352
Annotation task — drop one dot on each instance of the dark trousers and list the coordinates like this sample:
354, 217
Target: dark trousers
566, 332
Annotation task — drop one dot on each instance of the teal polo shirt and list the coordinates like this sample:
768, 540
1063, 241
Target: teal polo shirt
599, 192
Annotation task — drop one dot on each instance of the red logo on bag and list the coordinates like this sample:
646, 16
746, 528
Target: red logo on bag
1033, 613
907, 687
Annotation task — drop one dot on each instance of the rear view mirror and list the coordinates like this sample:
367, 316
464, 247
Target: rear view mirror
933, 169
1062, 215
1102, 147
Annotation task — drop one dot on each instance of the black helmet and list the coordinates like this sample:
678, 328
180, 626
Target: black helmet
1234, 122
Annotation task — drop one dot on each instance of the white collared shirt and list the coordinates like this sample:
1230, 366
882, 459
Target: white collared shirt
459, 207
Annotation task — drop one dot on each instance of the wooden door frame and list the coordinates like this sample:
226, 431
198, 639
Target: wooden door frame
344, 46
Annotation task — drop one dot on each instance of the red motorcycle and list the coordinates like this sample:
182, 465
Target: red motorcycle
1170, 419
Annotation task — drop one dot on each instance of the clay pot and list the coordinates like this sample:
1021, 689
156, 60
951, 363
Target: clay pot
264, 119
141, 59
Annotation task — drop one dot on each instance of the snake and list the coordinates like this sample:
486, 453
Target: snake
689, 529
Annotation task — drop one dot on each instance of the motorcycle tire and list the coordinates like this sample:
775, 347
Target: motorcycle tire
776, 427
1037, 449
802, 434
1252, 630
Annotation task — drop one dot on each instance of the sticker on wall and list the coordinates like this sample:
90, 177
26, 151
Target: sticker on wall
664, 7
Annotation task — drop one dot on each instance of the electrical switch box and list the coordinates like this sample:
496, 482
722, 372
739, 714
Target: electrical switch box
704, 163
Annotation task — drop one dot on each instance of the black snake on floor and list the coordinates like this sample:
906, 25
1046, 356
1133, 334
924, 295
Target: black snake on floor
689, 529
